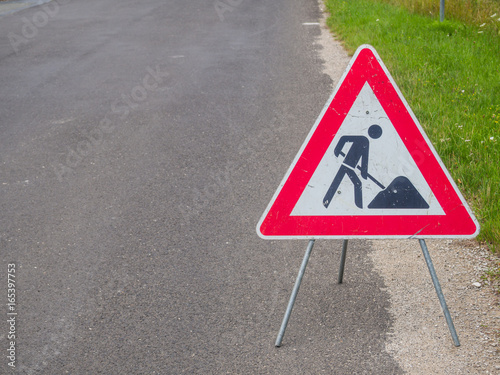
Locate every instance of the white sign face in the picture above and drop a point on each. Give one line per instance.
(388, 163)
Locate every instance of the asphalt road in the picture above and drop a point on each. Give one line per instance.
(140, 141)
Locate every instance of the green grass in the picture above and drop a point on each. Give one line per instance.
(450, 75)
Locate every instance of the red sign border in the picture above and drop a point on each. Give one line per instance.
(366, 66)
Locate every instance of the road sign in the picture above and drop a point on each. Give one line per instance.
(367, 169)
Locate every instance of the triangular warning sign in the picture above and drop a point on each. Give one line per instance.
(367, 169)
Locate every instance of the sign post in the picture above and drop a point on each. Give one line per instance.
(294, 293)
(439, 292)
(367, 170)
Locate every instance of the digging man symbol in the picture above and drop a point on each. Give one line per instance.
(357, 154)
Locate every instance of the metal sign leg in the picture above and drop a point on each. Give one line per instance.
(342, 261)
(439, 292)
(294, 293)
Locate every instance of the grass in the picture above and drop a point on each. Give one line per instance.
(450, 74)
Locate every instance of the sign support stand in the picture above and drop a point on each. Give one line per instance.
(303, 266)
(294, 293)
(439, 292)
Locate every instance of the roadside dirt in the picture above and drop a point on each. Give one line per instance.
(419, 339)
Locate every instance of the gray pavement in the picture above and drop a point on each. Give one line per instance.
(140, 143)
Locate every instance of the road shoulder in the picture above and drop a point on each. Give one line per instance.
(420, 340)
